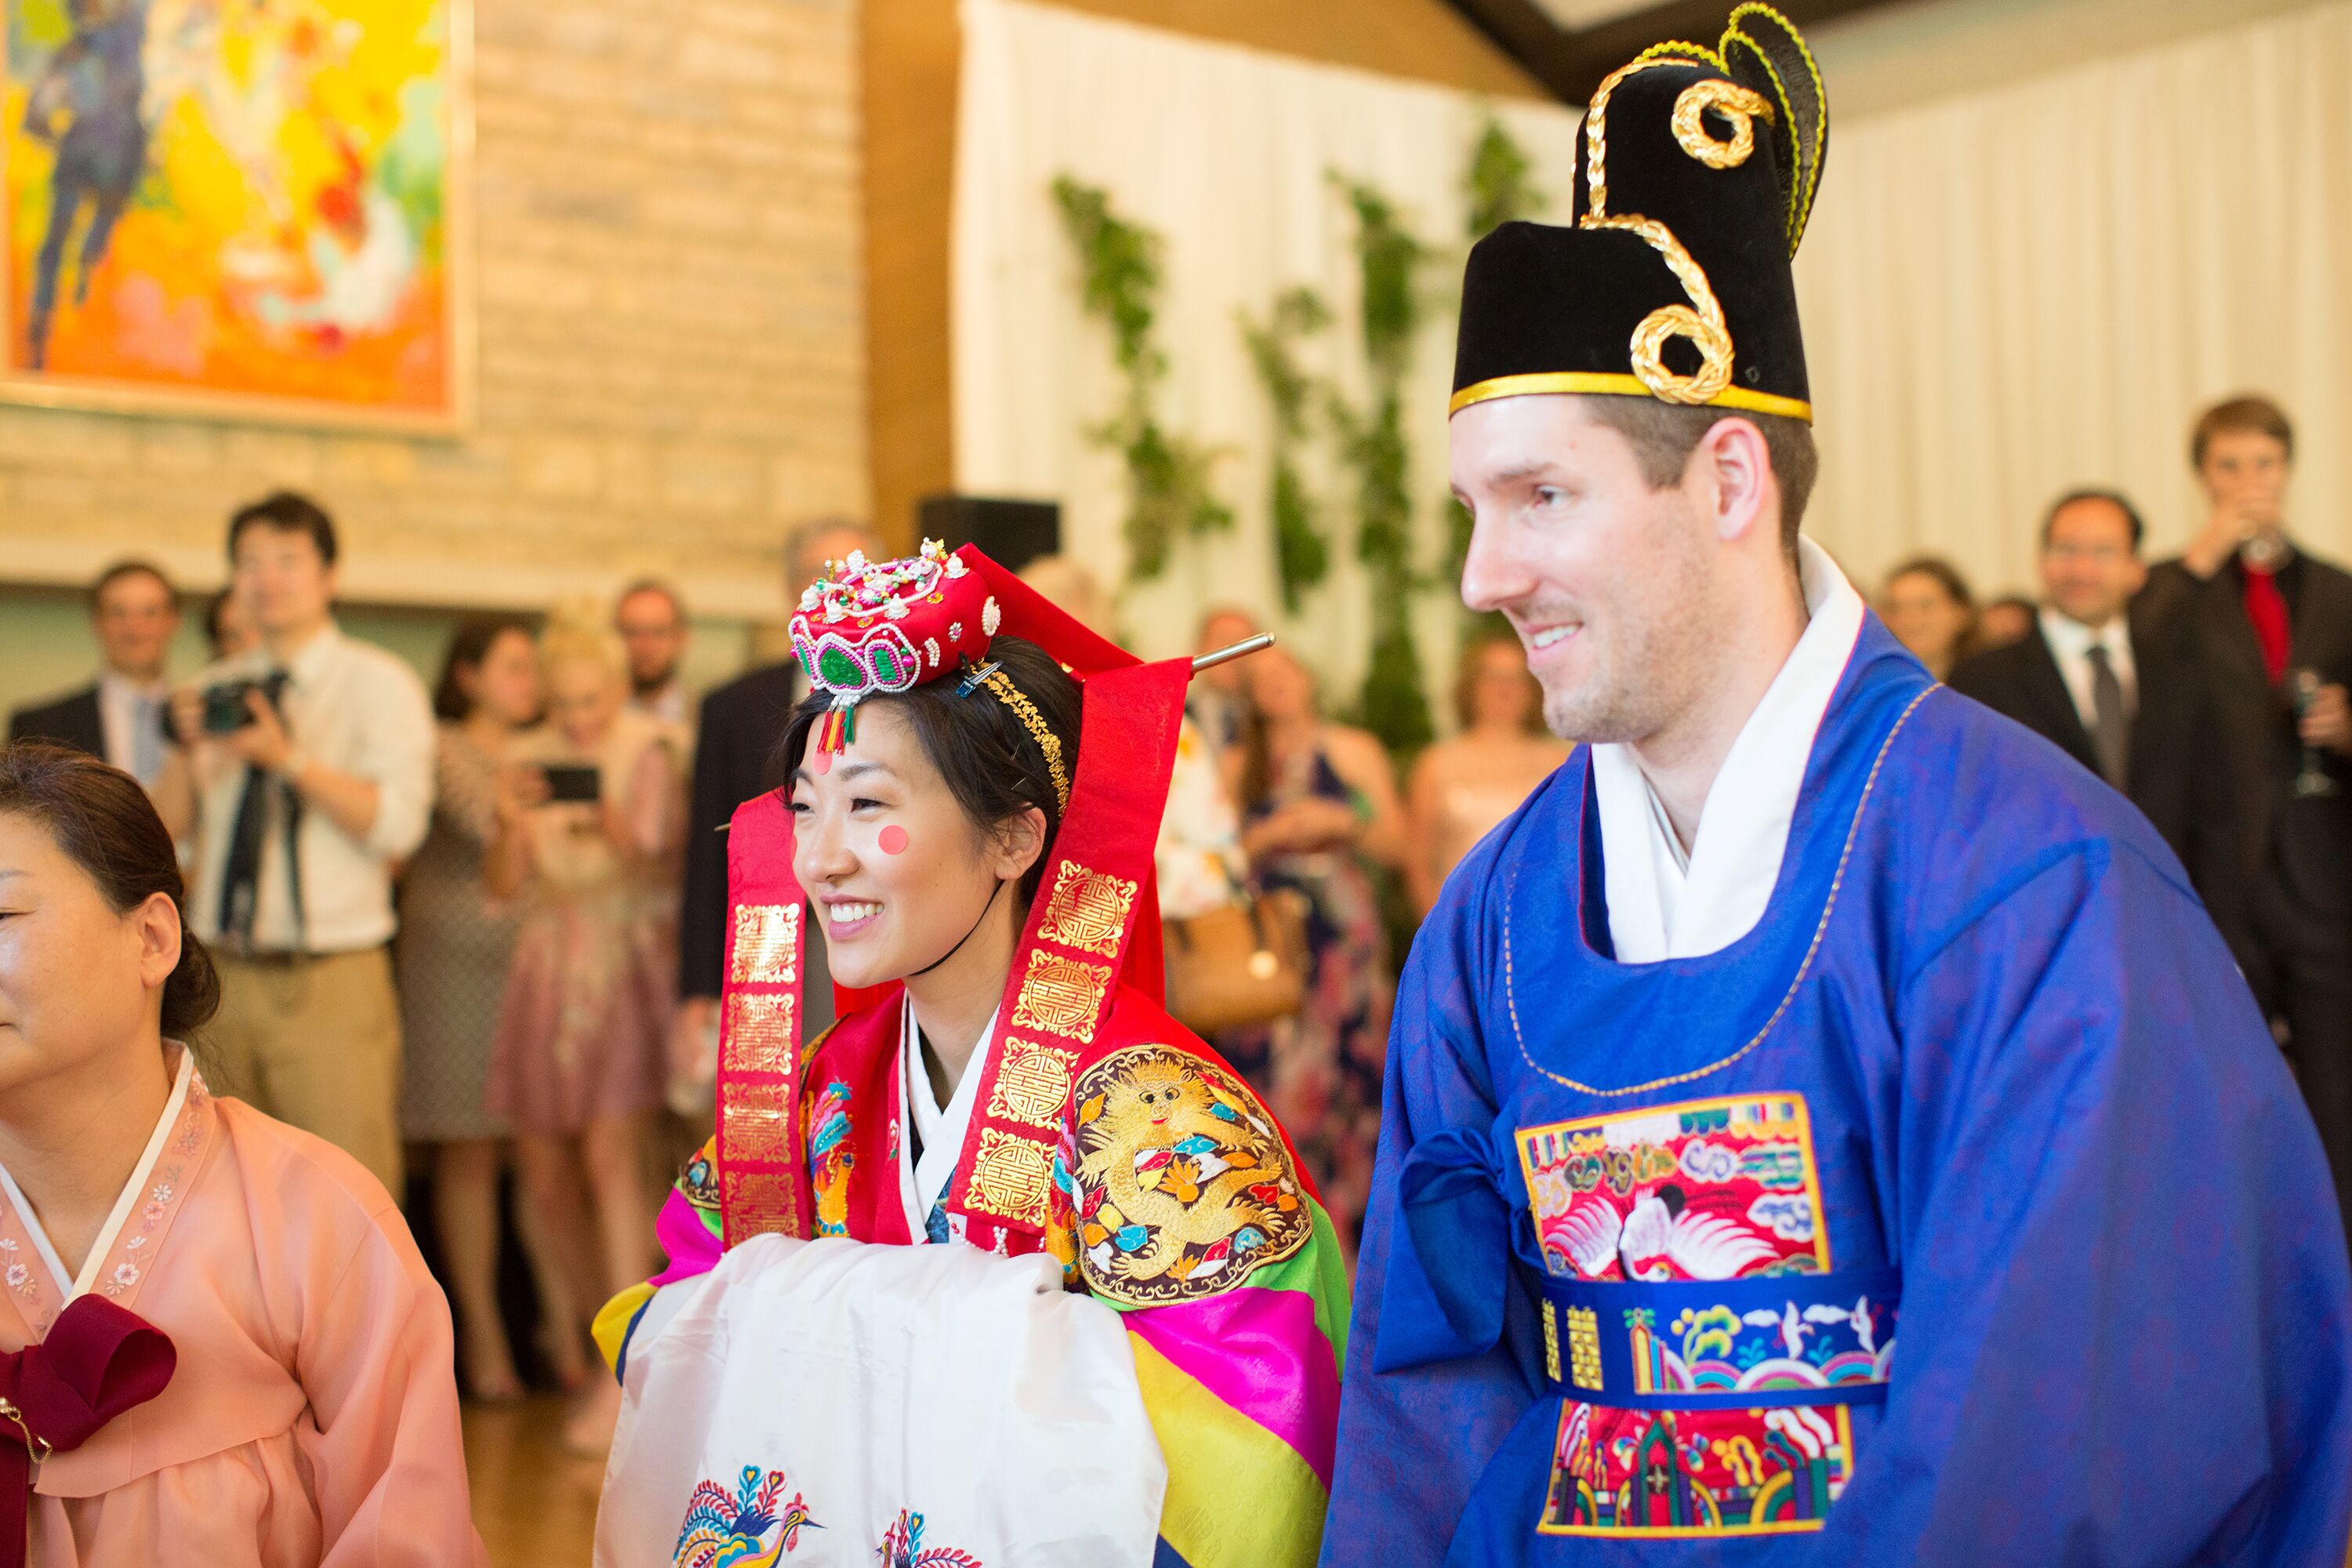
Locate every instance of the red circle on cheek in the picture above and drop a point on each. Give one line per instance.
(893, 840)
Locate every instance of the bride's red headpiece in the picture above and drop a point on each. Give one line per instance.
(871, 629)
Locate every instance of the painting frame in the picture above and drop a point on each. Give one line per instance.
(456, 418)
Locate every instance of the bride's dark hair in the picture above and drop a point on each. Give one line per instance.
(994, 767)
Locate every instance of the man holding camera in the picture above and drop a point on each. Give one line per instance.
(309, 770)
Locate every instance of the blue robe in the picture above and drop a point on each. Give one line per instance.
(2021, 1245)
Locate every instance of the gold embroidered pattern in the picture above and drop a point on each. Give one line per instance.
(1551, 1340)
(759, 1034)
(1009, 1176)
(766, 950)
(1700, 323)
(1583, 1348)
(760, 1202)
(1034, 722)
(1185, 1182)
(1088, 909)
(1033, 1084)
(1735, 103)
(1061, 995)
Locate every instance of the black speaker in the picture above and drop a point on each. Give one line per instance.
(1012, 532)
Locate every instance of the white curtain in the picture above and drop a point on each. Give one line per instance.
(1225, 152)
(2005, 294)
(2012, 293)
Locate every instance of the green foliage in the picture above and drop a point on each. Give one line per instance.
(1497, 182)
(1302, 555)
(1393, 705)
(1168, 493)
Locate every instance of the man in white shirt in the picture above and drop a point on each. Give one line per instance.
(1807, 1011)
(305, 800)
(2099, 683)
(135, 613)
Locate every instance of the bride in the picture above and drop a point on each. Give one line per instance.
(1089, 1257)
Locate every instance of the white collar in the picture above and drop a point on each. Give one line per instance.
(1659, 910)
(942, 1128)
(124, 1204)
(2070, 639)
(120, 688)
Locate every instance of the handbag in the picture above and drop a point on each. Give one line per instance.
(1240, 963)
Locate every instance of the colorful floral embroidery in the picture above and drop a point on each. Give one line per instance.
(902, 1547)
(171, 1182)
(1719, 1189)
(699, 1183)
(1181, 1185)
(830, 1159)
(724, 1530)
(19, 1277)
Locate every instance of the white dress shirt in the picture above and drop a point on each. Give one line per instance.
(1667, 903)
(354, 708)
(2070, 642)
(941, 1127)
(130, 716)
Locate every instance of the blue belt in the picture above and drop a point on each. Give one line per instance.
(1723, 1344)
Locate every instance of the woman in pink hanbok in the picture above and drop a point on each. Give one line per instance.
(218, 1324)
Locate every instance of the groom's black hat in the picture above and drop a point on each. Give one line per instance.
(1695, 171)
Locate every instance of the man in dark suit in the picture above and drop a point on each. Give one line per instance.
(742, 726)
(135, 614)
(2096, 680)
(2270, 627)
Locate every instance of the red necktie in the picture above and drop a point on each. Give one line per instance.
(97, 1362)
(2266, 608)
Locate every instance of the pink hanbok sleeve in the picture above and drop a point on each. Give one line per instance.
(376, 1360)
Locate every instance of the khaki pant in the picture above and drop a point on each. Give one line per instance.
(315, 1042)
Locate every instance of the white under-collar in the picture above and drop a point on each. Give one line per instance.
(941, 1127)
(1663, 904)
(124, 1204)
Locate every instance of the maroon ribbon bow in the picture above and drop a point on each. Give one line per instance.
(97, 1362)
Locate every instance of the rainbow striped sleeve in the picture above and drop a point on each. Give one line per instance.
(688, 1231)
(1242, 1388)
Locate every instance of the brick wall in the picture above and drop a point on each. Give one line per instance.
(671, 356)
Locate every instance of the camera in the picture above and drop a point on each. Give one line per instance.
(225, 711)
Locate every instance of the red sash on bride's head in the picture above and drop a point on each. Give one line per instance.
(1084, 936)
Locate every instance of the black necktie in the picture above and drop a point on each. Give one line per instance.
(2110, 726)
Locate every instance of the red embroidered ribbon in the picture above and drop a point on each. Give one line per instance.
(97, 1362)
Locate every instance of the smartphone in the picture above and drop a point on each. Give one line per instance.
(575, 784)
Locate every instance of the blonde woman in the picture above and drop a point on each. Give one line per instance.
(590, 823)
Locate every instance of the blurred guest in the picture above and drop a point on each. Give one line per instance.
(2270, 627)
(1197, 863)
(2007, 620)
(136, 614)
(293, 1353)
(650, 620)
(741, 725)
(455, 944)
(1319, 808)
(309, 763)
(1461, 788)
(588, 840)
(1218, 699)
(2100, 683)
(1927, 606)
(227, 628)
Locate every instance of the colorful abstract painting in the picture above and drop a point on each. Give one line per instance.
(245, 206)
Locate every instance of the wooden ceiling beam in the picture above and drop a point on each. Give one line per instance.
(1571, 64)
